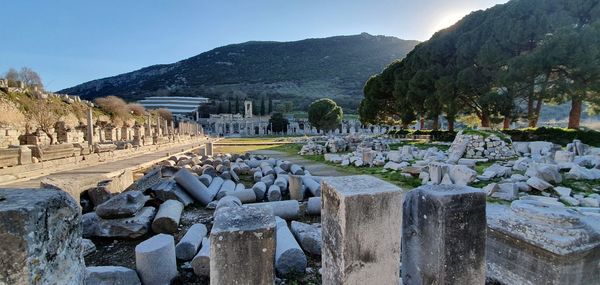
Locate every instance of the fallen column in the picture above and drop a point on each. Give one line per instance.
(361, 223)
(313, 186)
(215, 186)
(313, 206)
(155, 260)
(205, 179)
(242, 246)
(245, 196)
(40, 232)
(260, 189)
(309, 236)
(288, 209)
(443, 237)
(193, 186)
(189, 244)
(296, 169)
(289, 257)
(274, 193)
(201, 262)
(167, 218)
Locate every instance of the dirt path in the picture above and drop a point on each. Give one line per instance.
(315, 168)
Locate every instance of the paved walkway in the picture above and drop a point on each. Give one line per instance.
(315, 168)
(104, 168)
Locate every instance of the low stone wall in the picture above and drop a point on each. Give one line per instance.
(29, 171)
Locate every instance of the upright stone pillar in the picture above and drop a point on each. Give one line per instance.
(148, 130)
(158, 129)
(40, 230)
(90, 127)
(209, 148)
(242, 246)
(443, 235)
(361, 223)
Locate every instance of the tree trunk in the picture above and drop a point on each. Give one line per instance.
(451, 125)
(436, 123)
(575, 113)
(485, 120)
(421, 123)
(506, 125)
(50, 137)
(530, 115)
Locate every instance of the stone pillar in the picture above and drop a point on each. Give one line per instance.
(40, 231)
(242, 246)
(158, 130)
(90, 127)
(209, 148)
(530, 242)
(148, 130)
(443, 241)
(361, 223)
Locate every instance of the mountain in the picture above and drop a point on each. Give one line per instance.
(299, 71)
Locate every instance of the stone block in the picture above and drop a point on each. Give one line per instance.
(40, 232)
(361, 222)
(100, 275)
(443, 235)
(242, 246)
(531, 242)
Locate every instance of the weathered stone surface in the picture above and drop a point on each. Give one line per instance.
(443, 239)
(155, 260)
(201, 262)
(189, 244)
(205, 179)
(167, 217)
(149, 179)
(41, 237)
(537, 183)
(361, 225)
(288, 209)
(309, 236)
(547, 172)
(99, 195)
(193, 186)
(289, 257)
(104, 275)
(87, 246)
(131, 227)
(228, 201)
(506, 191)
(582, 173)
(168, 189)
(461, 175)
(242, 249)
(552, 244)
(123, 205)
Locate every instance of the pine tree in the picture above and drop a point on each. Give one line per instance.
(237, 105)
(262, 106)
(270, 106)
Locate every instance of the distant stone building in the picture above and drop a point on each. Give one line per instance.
(179, 106)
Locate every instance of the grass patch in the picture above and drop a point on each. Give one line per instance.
(480, 167)
(585, 187)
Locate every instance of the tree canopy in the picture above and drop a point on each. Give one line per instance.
(500, 64)
(325, 114)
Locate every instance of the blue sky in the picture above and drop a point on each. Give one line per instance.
(72, 41)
